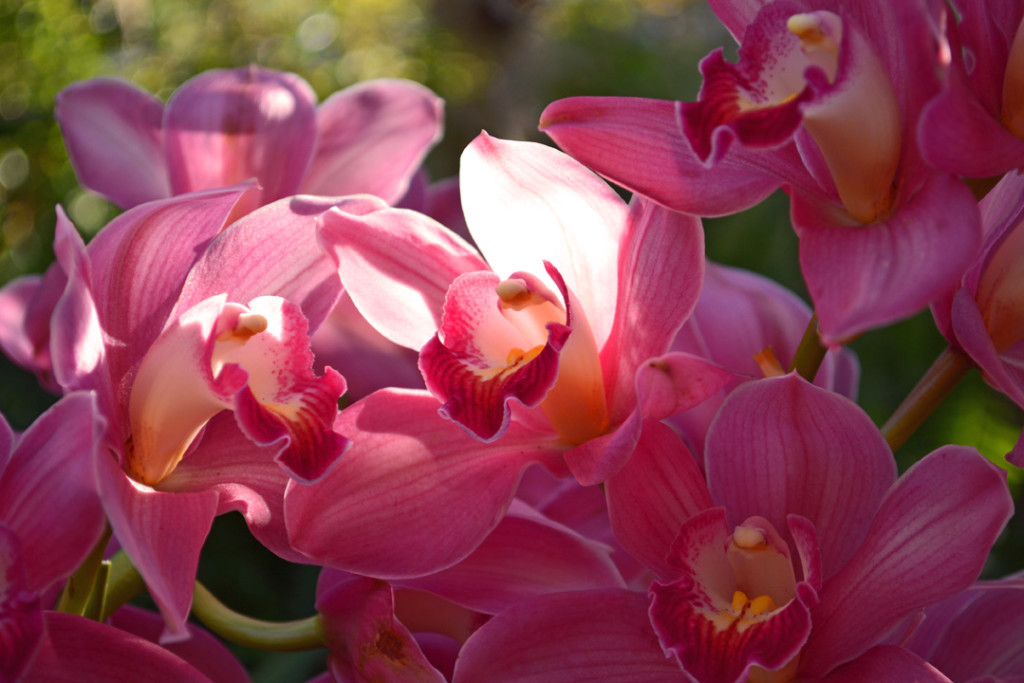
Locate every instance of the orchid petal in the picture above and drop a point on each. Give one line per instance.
(637, 143)
(655, 492)
(78, 649)
(273, 251)
(371, 137)
(661, 267)
(974, 338)
(576, 636)
(397, 265)
(886, 664)
(365, 639)
(867, 276)
(782, 445)
(22, 338)
(225, 126)
(526, 204)
(905, 561)
(444, 489)
(52, 461)
(21, 617)
(525, 556)
(112, 131)
(162, 533)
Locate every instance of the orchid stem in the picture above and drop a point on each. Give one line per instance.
(945, 373)
(81, 584)
(282, 636)
(123, 583)
(810, 353)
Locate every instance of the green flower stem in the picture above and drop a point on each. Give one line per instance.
(810, 353)
(81, 584)
(282, 636)
(945, 373)
(123, 583)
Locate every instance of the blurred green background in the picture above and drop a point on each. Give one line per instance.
(496, 63)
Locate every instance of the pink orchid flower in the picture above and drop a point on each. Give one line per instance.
(50, 518)
(226, 126)
(198, 350)
(792, 561)
(985, 316)
(550, 352)
(975, 126)
(824, 102)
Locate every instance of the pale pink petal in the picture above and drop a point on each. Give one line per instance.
(85, 651)
(921, 548)
(527, 203)
(162, 533)
(226, 126)
(155, 244)
(22, 339)
(650, 498)
(202, 650)
(397, 265)
(371, 138)
(887, 664)
(660, 270)
(782, 445)
(638, 144)
(414, 493)
(112, 131)
(526, 555)
(51, 462)
(864, 276)
(273, 251)
(568, 637)
(365, 640)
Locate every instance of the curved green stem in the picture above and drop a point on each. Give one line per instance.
(283, 636)
(810, 353)
(933, 387)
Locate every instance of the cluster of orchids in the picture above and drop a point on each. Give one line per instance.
(525, 428)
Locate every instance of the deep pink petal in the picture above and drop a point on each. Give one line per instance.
(365, 640)
(112, 131)
(397, 265)
(527, 204)
(79, 649)
(638, 144)
(736, 15)
(414, 493)
(865, 276)
(226, 126)
(661, 268)
(22, 338)
(650, 498)
(273, 251)
(162, 533)
(21, 617)
(371, 138)
(921, 548)
(974, 338)
(51, 464)
(202, 650)
(782, 445)
(576, 636)
(886, 664)
(526, 555)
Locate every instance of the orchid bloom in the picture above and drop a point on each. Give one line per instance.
(824, 103)
(984, 316)
(552, 351)
(975, 126)
(226, 126)
(792, 561)
(198, 349)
